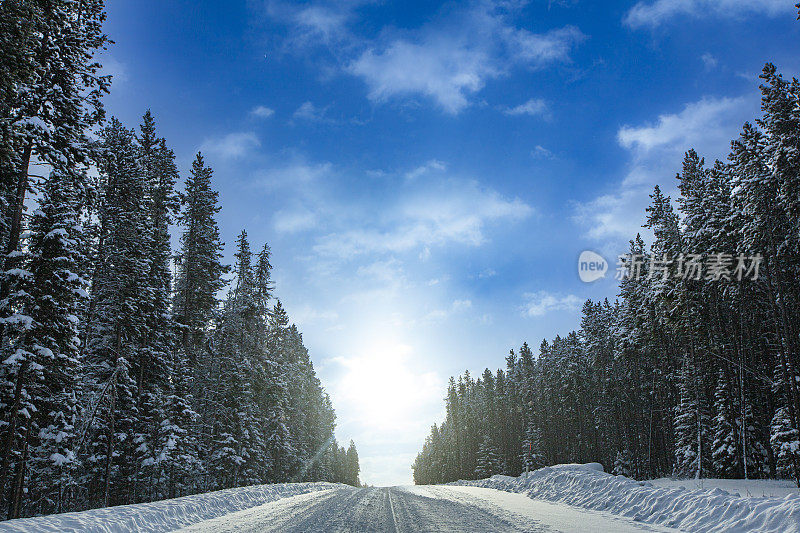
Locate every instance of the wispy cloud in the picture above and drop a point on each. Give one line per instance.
(656, 151)
(114, 68)
(296, 174)
(533, 107)
(709, 61)
(459, 213)
(680, 130)
(294, 221)
(446, 60)
(308, 111)
(540, 152)
(432, 165)
(657, 12)
(314, 23)
(262, 112)
(230, 146)
(448, 65)
(542, 302)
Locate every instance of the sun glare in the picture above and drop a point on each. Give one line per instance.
(380, 384)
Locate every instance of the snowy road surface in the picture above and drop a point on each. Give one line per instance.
(413, 509)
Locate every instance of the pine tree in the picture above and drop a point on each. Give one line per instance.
(195, 307)
(51, 95)
(200, 270)
(280, 448)
(352, 465)
(121, 295)
(784, 437)
(724, 446)
(489, 460)
(622, 464)
(49, 345)
(691, 440)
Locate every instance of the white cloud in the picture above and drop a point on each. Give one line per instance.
(444, 70)
(487, 273)
(313, 23)
(542, 302)
(294, 221)
(709, 61)
(262, 112)
(657, 12)
(388, 272)
(457, 214)
(456, 307)
(540, 152)
(433, 164)
(541, 48)
(296, 175)
(114, 68)
(460, 305)
(306, 315)
(447, 59)
(681, 130)
(308, 111)
(231, 146)
(453, 59)
(533, 107)
(326, 22)
(656, 153)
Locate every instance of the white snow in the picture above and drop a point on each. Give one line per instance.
(561, 498)
(776, 488)
(165, 515)
(672, 505)
(432, 509)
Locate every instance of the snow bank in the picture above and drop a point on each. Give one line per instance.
(698, 510)
(164, 515)
(776, 488)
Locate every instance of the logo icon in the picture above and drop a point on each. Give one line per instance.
(591, 266)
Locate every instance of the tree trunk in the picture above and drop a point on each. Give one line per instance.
(110, 444)
(12, 428)
(16, 208)
(19, 478)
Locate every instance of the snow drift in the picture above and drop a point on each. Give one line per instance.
(164, 515)
(700, 510)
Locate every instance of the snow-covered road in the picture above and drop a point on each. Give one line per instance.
(413, 509)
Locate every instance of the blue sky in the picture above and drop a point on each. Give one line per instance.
(427, 174)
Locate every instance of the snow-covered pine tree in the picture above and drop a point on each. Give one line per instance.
(532, 454)
(238, 448)
(178, 447)
(199, 265)
(622, 464)
(692, 456)
(785, 443)
(195, 305)
(51, 94)
(275, 401)
(725, 436)
(50, 97)
(488, 459)
(161, 409)
(121, 295)
(352, 465)
(49, 345)
(784, 437)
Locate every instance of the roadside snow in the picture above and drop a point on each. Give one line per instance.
(165, 515)
(697, 510)
(778, 488)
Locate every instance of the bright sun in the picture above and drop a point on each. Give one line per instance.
(380, 385)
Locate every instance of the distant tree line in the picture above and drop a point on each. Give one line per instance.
(119, 381)
(693, 376)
